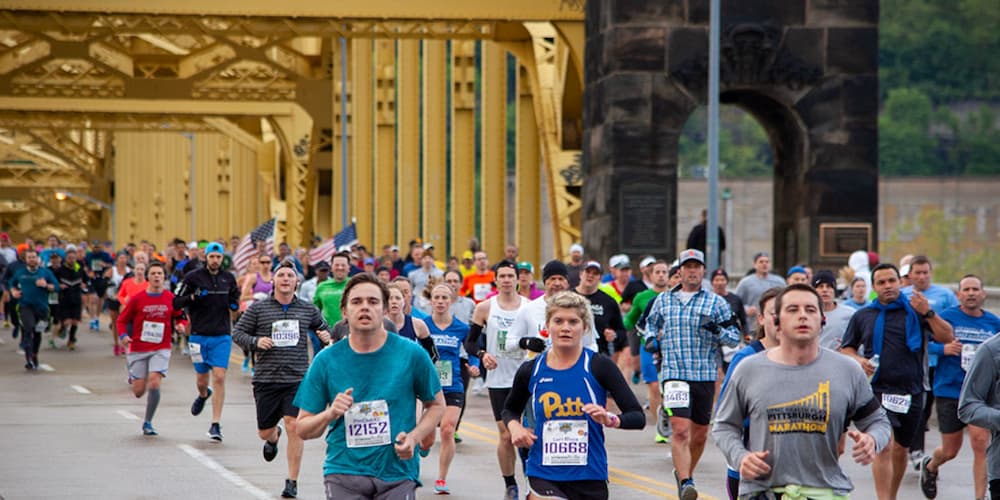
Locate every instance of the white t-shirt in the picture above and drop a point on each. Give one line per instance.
(508, 355)
(530, 322)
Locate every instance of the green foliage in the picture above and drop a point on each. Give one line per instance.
(949, 244)
(744, 150)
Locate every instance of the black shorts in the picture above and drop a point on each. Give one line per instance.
(454, 399)
(497, 398)
(947, 412)
(100, 286)
(112, 304)
(634, 342)
(906, 427)
(273, 402)
(621, 342)
(55, 312)
(700, 400)
(70, 310)
(544, 489)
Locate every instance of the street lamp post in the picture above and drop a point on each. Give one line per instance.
(110, 207)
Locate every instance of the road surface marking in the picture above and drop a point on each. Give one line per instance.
(229, 475)
(46, 368)
(81, 389)
(127, 414)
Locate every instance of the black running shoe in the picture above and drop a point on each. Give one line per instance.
(199, 403)
(291, 489)
(271, 449)
(215, 432)
(928, 479)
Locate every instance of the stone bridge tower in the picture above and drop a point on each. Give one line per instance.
(807, 70)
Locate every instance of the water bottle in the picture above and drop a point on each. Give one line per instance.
(874, 361)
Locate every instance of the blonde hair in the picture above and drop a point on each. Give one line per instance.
(569, 300)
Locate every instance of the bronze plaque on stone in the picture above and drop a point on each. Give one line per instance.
(643, 220)
(841, 239)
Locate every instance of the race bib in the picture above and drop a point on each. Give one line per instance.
(564, 442)
(676, 394)
(444, 372)
(367, 424)
(896, 403)
(285, 333)
(53, 297)
(481, 290)
(152, 332)
(968, 354)
(195, 350)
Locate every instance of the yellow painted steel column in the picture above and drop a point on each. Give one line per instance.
(407, 141)
(528, 193)
(385, 185)
(435, 180)
(463, 143)
(336, 185)
(362, 128)
(493, 217)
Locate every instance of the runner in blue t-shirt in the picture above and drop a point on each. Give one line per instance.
(972, 326)
(364, 392)
(449, 334)
(567, 387)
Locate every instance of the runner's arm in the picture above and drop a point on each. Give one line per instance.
(728, 429)
(244, 331)
(610, 377)
(975, 404)
(519, 394)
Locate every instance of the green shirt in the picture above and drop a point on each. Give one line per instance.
(639, 303)
(327, 299)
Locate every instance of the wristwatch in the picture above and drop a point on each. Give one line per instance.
(929, 314)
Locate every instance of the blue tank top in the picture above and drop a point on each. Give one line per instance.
(407, 331)
(449, 346)
(560, 395)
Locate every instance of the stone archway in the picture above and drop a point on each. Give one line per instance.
(806, 70)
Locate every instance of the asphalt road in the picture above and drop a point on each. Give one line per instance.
(72, 430)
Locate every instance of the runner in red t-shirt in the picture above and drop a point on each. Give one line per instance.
(479, 284)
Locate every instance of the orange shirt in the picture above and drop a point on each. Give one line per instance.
(129, 288)
(478, 286)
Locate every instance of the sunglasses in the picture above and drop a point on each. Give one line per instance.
(265, 262)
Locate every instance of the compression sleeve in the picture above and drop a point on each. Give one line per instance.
(610, 377)
(428, 344)
(519, 394)
(472, 340)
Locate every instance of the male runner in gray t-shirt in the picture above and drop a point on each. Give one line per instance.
(794, 432)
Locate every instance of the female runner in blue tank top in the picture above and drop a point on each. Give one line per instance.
(449, 334)
(567, 388)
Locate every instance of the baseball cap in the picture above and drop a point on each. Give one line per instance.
(192, 245)
(691, 254)
(824, 276)
(525, 266)
(71, 248)
(322, 265)
(576, 248)
(592, 264)
(467, 255)
(554, 268)
(795, 269)
(904, 271)
(369, 260)
(720, 272)
(214, 247)
(428, 245)
(394, 248)
(4, 236)
(619, 261)
(649, 260)
(759, 255)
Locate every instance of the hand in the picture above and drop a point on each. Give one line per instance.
(521, 437)
(15, 292)
(489, 362)
(953, 348)
(864, 447)
(473, 371)
(599, 414)
(41, 283)
(609, 335)
(404, 446)
(342, 403)
(919, 303)
(754, 465)
(180, 328)
(712, 327)
(324, 336)
(866, 365)
(533, 344)
(125, 341)
(652, 345)
(751, 310)
(264, 343)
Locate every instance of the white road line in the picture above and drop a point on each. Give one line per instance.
(127, 414)
(231, 476)
(46, 368)
(81, 389)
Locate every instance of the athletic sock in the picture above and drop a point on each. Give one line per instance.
(72, 333)
(152, 401)
(509, 481)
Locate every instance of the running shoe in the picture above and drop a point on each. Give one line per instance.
(291, 489)
(71, 345)
(687, 490)
(663, 424)
(512, 493)
(916, 458)
(458, 438)
(423, 452)
(215, 432)
(52, 343)
(148, 430)
(246, 365)
(199, 403)
(661, 439)
(635, 378)
(928, 479)
(441, 488)
(271, 449)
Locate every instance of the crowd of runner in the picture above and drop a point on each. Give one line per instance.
(377, 354)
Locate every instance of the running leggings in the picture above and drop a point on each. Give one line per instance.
(31, 341)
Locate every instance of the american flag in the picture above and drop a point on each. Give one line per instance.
(247, 249)
(323, 252)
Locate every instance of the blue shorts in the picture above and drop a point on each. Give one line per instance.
(214, 351)
(648, 365)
